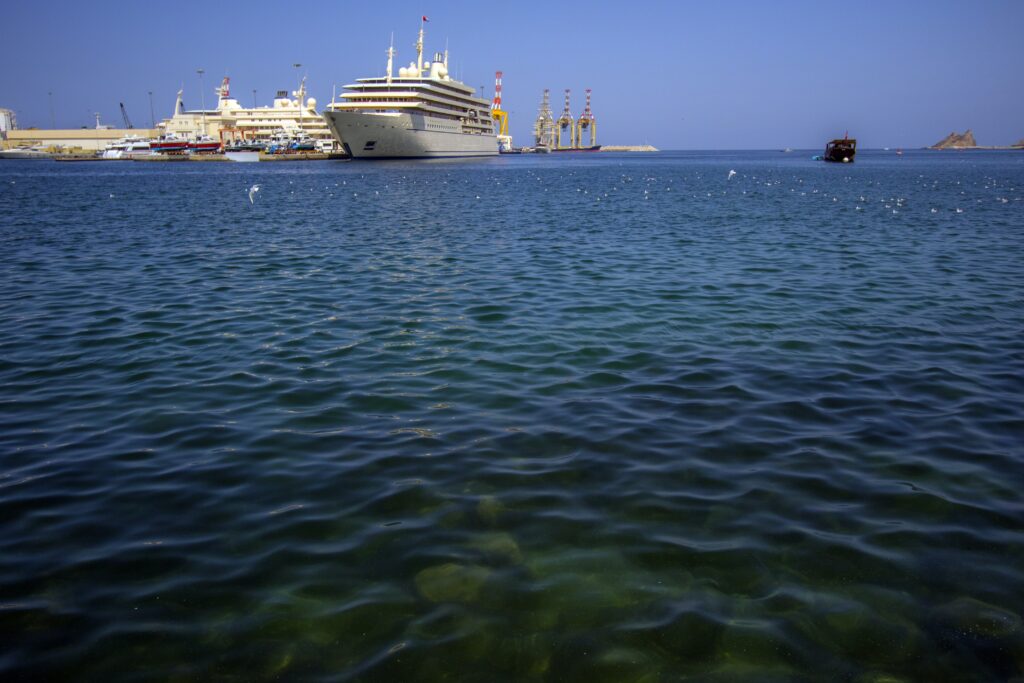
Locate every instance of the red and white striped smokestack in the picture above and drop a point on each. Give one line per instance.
(496, 103)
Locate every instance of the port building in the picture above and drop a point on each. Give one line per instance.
(8, 121)
(228, 121)
(87, 139)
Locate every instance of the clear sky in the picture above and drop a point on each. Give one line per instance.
(679, 75)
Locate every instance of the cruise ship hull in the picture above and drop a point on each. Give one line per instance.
(405, 136)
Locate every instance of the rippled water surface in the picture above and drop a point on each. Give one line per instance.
(559, 418)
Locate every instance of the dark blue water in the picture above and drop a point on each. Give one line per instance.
(556, 418)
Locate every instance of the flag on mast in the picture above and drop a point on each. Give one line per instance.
(425, 18)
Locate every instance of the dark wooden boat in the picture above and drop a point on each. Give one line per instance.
(840, 151)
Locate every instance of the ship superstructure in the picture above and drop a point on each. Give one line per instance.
(231, 123)
(423, 112)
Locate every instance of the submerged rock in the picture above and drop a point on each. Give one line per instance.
(498, 548)
(976, 619)
(876, 677)
(985, 635)
(452, 582)
(489, 509)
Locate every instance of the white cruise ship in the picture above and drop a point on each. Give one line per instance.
(421, 113)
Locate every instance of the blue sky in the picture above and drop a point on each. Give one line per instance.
(679, 75)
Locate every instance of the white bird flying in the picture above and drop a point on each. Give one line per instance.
(731, 174)
(252, 193)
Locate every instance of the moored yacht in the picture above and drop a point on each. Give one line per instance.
(127, 147)
(36, 152)
(421, 113)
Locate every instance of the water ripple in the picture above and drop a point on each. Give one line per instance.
(617, 419)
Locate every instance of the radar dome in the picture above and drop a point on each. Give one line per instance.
(311, 103)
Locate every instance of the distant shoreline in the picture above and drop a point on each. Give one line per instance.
(978, 147)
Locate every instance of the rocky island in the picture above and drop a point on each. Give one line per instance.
(966, 141)
(957, 141)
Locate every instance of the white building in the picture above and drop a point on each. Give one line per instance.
(7, 121)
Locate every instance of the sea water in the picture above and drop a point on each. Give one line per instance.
(541, 418)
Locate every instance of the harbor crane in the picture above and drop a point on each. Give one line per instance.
(124, 115)
(566, 121)
(544, 126)
(500, 116)
(586, 122)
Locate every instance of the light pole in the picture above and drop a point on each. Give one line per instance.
(152, 115)
(53, 119)
(254, 98)
(202, 96)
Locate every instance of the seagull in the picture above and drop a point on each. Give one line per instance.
(252, 193)
(731, 174)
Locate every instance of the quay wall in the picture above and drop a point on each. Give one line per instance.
(629, 148)
(84, 138)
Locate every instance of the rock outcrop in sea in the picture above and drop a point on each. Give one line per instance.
(956, 141)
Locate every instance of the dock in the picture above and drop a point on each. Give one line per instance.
(160, 158)
(303, 156)
(629, 148)
(181, 157)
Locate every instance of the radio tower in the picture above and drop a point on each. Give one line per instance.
(586, 121)
(566, 120)
(544, 126)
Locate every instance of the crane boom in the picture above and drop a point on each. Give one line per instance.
(124, 115)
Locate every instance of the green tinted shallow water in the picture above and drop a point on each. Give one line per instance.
(596, 418)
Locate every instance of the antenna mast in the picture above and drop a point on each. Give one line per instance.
(391, 56)
(419, 49)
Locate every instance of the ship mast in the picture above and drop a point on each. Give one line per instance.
(391, 56)
(419, 49)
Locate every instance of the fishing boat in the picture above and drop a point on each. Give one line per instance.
(203, 144)
(246, 146)
(840, 150)
(170, 143)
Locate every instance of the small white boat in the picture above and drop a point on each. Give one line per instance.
(36, 152)
(244, 156)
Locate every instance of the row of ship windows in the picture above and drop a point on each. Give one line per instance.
(430, 103)
(465, 102)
